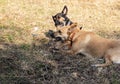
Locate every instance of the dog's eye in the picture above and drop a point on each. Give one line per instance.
(58, 17)
(59, 31)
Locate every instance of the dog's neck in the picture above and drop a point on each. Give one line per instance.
(68, 22)
(72, 34)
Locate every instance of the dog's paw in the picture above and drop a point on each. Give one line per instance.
(95, 65)
(100, 59)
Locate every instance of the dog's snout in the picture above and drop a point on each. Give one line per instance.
(57, 23)
(51, 33)
(58, 38)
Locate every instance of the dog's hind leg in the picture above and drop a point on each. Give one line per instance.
(107, 62)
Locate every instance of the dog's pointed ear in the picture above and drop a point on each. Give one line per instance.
(52, 17)
(65, 10)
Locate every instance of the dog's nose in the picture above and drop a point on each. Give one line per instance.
(58, 38)
(51, 33)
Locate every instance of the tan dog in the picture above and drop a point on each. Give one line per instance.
(90, 44)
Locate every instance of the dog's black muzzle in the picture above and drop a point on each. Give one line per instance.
(50, 34)
(58, 38)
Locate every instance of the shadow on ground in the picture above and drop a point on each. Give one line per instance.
(37, 65)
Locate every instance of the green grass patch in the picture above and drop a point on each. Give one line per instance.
(25, 46)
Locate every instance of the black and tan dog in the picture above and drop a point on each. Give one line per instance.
(61, 19)
(89, 44)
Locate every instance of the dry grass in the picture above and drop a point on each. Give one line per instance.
(19, 17)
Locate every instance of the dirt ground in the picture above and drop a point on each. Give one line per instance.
(38, 65)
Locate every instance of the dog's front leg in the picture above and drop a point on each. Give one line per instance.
(70, 52)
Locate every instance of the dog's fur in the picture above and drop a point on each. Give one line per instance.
(90, 44)
(61, 19)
